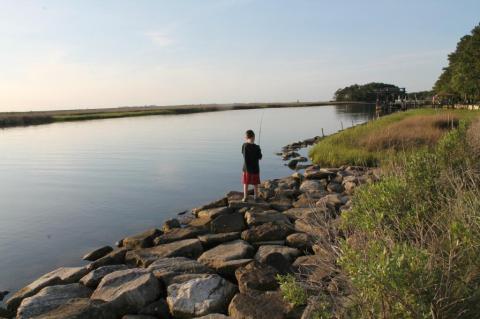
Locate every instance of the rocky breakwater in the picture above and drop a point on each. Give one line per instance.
(222, 262)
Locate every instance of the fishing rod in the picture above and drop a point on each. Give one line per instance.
(260, 129)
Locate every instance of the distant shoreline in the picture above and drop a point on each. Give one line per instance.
(13, 119)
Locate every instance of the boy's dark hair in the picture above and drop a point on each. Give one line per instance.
(250, 134)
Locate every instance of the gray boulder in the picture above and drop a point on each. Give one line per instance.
(158, 309)
(288, 252)
(191, 248)
(116, 257)
(178, 234)
(142, 240)
(256, 277)
(211, 240)
(170, 224)
(50, 298)
(214, 212)
(268, 305)
(214, 316)
(267, 232)
(128, 290)
(215, 257)
(93, 278)
(311, 186)
(300, 241)
(97, 253)
(257, 218)
(228, 223)
(60, 276)
(167, 269)
(199, 297)
(81, 308)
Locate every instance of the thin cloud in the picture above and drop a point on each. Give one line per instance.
(160, 39)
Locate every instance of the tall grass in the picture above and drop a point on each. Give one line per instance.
(413, 239)
(378, 140)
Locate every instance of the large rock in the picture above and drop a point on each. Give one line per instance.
(298, 213)
(142, 240)
(158, 309)
(288, 252)
(215, 204)
(321, 173)
(116, 257)
(170, 224)
(214, 316)
(82, 308)
(228, 223)
(50, 298)
(268, 305)
(267, 232)
(237, 249)
(227, 268)
(300, 241)
(168, 268)
(256, 277)
(93, 278)
(211, 240)
(282, 203)
(311, 186)
(128, 290)
(4, 313)
(237, 204)
(214, 212)
(199, 297)
(178, 234)
(138, 317)
(97, 253)
(191, 248)
(257, 218)
(60, 276)
(313, 265)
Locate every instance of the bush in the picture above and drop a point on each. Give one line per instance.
(292, 290)
(412, 247)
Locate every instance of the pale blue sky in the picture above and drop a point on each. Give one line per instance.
(85, 53)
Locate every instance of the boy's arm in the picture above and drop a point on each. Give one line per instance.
(259, 153)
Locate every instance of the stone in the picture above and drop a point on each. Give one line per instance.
(282, 201)
(93, 278)
(257, 218)
(335, 187)
(280, 263)
(267, 232)
(321, 173)
(180, 279)
(98, 253)
(268, 305)
(298, 213)
(288, 252)
(170, 224)
(292, 164)
(227, 268)
(158, 309)
(237, 204)
(128, 290)
(190, 248)
(168, 268)
(4, 293)
(202, 223)
(218, 203)
(300, 241)
(60, 276)
(228, 223)
(138, 317)
(349, 187)
(237, 249)
(200, 297)
(214, 316)
(256, 277)
(211, 240)
(214, 212)
(116, 257)
(142, 240)
(311, 186)
(4, 313)
(82, 308)
(178, 234)
(50, 298)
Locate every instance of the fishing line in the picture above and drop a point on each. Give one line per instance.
(260, 130)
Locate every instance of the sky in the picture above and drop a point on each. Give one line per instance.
(57, 54)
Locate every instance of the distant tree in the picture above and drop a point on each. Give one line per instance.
(421, 95)
(363, 93)
(461, 77)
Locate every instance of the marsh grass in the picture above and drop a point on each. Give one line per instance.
(379, 140)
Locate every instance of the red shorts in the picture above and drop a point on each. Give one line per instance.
(249, 178)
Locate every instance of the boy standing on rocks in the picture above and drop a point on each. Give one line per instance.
(251, 168)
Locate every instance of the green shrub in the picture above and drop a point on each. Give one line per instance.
(292, 290)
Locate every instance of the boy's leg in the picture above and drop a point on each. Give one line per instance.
(255, 191)
(245, 192)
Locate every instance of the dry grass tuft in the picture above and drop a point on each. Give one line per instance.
(411, 132)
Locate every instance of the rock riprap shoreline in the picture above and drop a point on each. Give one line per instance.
(220, 261)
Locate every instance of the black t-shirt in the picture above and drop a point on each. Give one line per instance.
(251, 155)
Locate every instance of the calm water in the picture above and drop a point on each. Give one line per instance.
(69, 187)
